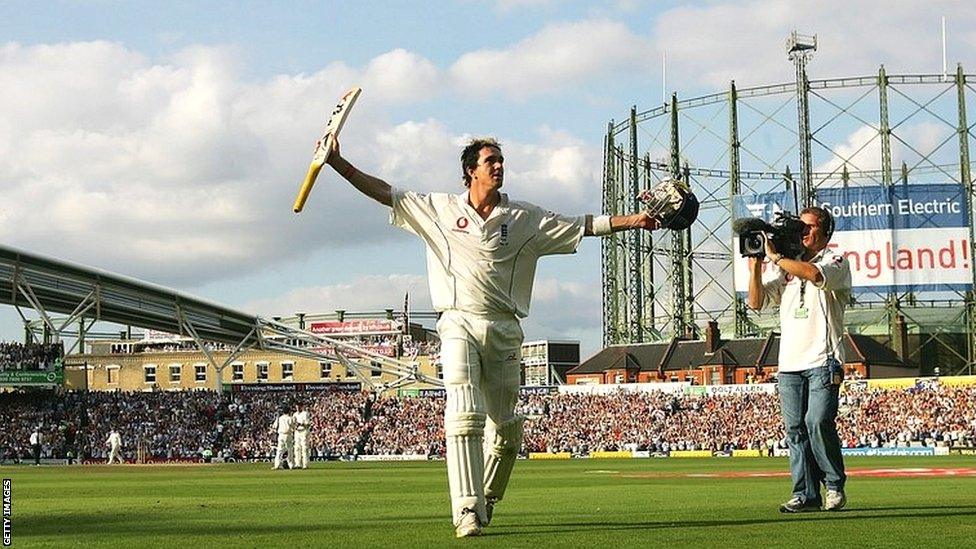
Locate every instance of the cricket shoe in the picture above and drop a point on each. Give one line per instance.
(798, 505)
(469, 525)
(835, 500)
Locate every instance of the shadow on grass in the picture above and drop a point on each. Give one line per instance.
(907, 512)
(154, 525)
(150, 524)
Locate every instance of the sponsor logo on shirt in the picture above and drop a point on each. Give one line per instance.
(462, 224)
(503, 239)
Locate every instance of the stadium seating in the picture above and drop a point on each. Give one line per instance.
(183, 425)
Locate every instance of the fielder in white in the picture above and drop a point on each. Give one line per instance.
(284, 426)
(482, 249)
(302, 426)
(114, 443)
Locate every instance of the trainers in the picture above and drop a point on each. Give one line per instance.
(798, 505)
(469, 525)
(835, 501)
(489, 509)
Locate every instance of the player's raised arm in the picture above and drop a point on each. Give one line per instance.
(605, 224)
(373, 187)
(668, 205)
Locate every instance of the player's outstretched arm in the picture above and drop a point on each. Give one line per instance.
(606, 224)
(373, 187)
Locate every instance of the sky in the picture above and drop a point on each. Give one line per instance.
(166, 140)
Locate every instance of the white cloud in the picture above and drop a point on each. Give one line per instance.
(365, 293)
(565, 310)
(436, 169)
(559, 172)
(558, 56)
(181, 172)
(861, 149)
(401, 76)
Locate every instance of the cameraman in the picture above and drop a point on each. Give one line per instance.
(812, 291)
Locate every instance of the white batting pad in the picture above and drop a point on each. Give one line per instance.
(501, 455)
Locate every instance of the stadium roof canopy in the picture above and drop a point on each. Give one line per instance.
(88, 295)
(55, 286)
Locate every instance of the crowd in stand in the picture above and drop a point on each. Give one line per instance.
(406, 426)
(656, 422)
(34, 356)
(169, 347)
(386, 345)
(188, 424)
(939, 414)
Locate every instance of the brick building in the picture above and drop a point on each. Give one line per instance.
(717, 361)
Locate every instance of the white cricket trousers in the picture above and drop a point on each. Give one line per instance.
(480, 356)
(301, 449)
(284, 447)
(115, 454)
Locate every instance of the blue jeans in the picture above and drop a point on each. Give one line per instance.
(808, 401)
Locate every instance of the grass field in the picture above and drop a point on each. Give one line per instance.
(580, 503)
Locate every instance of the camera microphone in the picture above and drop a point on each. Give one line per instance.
(745, 225)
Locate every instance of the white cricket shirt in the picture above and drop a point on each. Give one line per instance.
(483, 267)
(301, 421)
(812, 326)
(283, 425)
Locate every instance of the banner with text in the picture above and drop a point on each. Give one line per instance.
(895, 238)
(51, 376)
(355, 327)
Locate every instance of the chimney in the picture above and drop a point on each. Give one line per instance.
(712, 337)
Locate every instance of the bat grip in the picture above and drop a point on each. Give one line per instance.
(313, 173)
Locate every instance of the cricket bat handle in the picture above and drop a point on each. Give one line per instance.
(313, 172)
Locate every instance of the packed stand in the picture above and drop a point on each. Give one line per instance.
(191, 424)
(657, 422)
(408, 425)
(32, 357)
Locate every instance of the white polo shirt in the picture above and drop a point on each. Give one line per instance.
(812, 327)
(483, 267)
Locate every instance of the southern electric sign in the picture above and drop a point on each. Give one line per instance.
(905, 238)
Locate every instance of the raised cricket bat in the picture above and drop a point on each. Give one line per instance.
(325, 145)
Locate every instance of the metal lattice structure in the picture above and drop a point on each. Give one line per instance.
(802, 136)
(87, 295)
